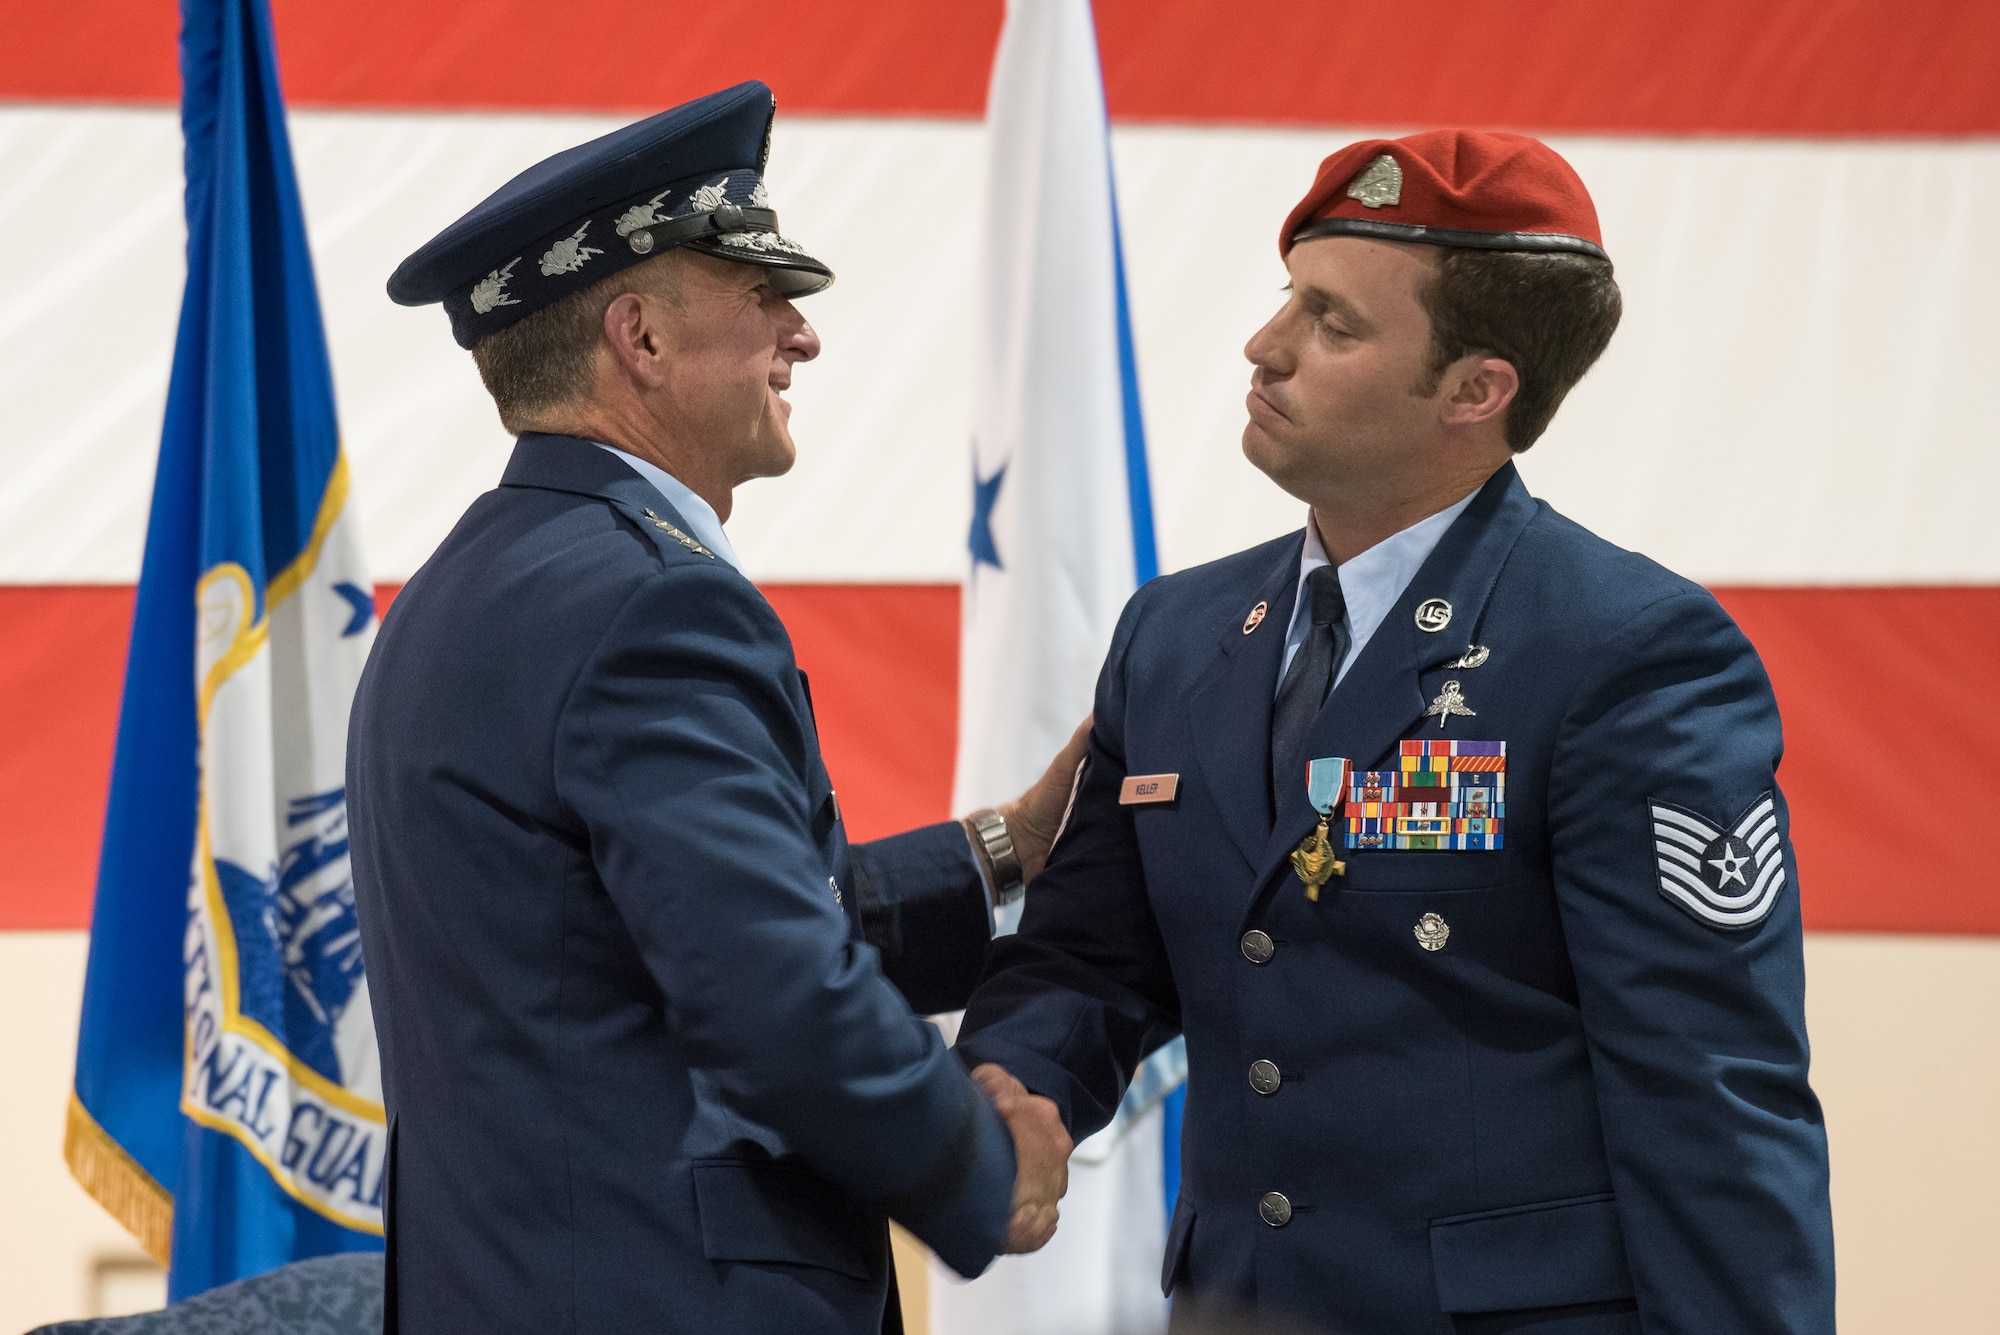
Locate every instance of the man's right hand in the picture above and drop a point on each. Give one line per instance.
(1041, 1156)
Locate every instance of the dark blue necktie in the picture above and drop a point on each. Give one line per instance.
(1307, 681)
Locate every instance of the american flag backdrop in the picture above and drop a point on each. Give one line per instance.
(1799, 198)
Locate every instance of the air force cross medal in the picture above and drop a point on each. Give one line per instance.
(1313, 860)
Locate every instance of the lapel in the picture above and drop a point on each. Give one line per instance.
(1231, 707)
(1378, 700)
(576, 466)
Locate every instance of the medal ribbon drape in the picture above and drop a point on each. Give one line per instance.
(227, 1106)
(1061, 534)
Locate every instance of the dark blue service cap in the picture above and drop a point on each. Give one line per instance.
(692, 176)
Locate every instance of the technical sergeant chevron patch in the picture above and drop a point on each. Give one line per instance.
(1725, 878)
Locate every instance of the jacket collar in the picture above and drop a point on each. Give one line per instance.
(1379, 700)
(1230, 706)
(579, 467)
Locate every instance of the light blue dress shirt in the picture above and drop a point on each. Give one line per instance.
(1371, 582)
(700, 515)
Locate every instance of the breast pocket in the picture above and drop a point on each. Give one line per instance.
(1427, 871)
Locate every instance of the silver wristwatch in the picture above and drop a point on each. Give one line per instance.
(989, 827)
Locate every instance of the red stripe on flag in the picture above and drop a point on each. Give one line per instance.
(1870, 681)
(1785, 67)
(60, 672)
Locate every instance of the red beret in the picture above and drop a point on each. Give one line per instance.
(1450, 188)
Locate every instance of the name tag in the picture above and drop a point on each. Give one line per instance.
(1143, 789)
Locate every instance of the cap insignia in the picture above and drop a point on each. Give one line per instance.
(491, 291)
(761, 241)
(640, 215)
(709, 197)
(760, 198)
(1380, 182)
(568, 254)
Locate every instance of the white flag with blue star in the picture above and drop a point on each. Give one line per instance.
(1062, 533)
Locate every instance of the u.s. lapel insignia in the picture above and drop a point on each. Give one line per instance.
(678, 536)
(1433, 615)
(1256, 617)
(1475, 655)
(1450, 702)
(1725, 878)
(1432, 932)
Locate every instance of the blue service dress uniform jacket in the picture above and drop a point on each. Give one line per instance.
(645, 1057)
(1572, 1103)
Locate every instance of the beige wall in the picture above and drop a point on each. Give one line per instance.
(1906, 1035)
(60, 1256)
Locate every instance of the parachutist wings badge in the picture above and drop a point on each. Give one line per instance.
(1725, 878)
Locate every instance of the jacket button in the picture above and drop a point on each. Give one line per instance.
(1274, 1209)
(1257, 947)
(1265, 1076)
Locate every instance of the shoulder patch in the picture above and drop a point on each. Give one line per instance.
(1724, 878)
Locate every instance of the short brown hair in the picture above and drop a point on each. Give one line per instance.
(549, 359)
(1550, 315)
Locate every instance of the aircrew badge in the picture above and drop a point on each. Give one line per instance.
(1724, 878)
(1313, 861)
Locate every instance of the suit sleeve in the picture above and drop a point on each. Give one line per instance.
(923, 905)
(1073, 1001)
(683, 754)
(1694, 1010)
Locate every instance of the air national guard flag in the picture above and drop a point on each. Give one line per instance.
(1062, 533)
(228, 1105)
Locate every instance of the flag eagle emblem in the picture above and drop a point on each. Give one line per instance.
(1725, 878)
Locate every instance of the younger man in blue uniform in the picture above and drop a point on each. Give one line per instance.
(1447, 832)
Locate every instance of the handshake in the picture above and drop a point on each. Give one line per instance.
(1041, 1157)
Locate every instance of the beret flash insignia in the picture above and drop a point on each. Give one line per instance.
(1725, 878)
(1379, 183)
(491, 291)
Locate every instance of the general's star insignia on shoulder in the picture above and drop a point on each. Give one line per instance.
(1725, 878)
(678, 536)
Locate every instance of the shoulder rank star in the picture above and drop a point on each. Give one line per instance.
(1450, 701)
(678, 536)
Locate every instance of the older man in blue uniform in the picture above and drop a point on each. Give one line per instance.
(1448, 833)
(646, 1018)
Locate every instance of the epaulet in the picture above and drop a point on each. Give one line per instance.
(678, 536)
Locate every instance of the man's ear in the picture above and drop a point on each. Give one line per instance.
(631, 328)
(1479, 389)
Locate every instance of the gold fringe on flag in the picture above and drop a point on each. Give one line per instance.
(115, 1181)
